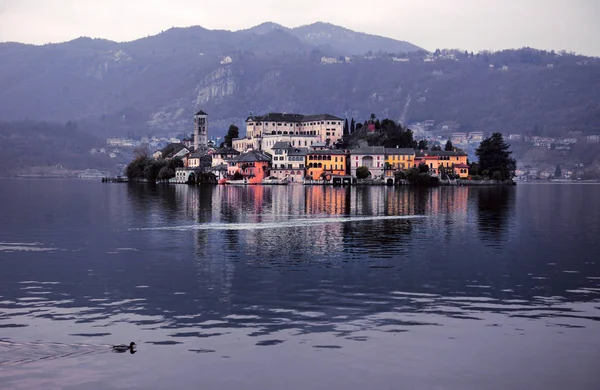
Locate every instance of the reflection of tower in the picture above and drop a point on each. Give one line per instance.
(200, 130)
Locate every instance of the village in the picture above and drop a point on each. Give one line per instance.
(281, 148)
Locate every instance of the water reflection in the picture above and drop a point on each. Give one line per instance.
(494, 208)
(326, 266)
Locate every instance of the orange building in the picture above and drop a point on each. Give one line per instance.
(253, 166)
(435, 160)
(320, 163)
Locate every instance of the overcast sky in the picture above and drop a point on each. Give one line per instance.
(465, 24)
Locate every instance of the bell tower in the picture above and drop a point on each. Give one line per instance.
(200, 130)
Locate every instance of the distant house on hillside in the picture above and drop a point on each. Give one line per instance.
(593, 139)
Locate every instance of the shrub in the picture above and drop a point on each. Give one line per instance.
(362, 172)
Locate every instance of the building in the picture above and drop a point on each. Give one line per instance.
(320, 163)
(200, 130)
(458, 138)
(398, 159)
(198, 159)
(222, 155)
(253, 166)
(436, 160)
(288, 162)
(476, 136)
(515, 137)
(372, 157)
(263, 132)
(593, 139)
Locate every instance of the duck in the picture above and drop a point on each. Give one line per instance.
(123, 347)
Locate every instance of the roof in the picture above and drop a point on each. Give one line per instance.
(198, 153)
(284, 117)
(461, 166)
(297, 152)
(226, 150)
(424, 153)
(281, 145)
(369, 150)
(408, 151)
(328, 151)
(252, 156)
(200, 113)
(172, 149)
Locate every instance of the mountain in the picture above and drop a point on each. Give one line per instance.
(344, 41)
(349, 42)
(154, 85)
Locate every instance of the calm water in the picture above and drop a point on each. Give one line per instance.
(299, 287)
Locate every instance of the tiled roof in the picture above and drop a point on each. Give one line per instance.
(461, 166)
(281, 145)
(226, 150)
(406, 151)
(297, 152)
(369, 150)
(198, 153)
(252, 156)
(327, 152)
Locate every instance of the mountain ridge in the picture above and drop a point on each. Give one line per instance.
(154, 84)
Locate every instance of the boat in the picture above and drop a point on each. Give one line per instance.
(238, 182)
(275, 180)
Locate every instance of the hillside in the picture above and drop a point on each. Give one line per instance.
(31, 147)
(153, 85)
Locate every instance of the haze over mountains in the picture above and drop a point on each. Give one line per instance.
(154, 84)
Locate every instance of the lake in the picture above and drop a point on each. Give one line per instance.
(299, 287)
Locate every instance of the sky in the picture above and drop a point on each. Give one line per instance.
(472, 25)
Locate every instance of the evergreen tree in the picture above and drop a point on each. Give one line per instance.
(558, 171)
(436, 148)
(346, 128)
(234, 132)
(494, 156)
(449, 147)
(352, 125)
(422, 144)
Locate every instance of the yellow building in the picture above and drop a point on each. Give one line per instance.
(320, 163)
(398, 159)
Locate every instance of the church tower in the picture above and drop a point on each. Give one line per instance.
(200, 130)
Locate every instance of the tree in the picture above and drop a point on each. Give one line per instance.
(362, 172)
(166, 173)
(423, 168)
(422, 144)
(449, 147)
(233, 132)
(135, 169)
(436, 148)
(151, 170)
(558, 171)
(494, 156)
(346, 128)
(352, 126)
(437, 52)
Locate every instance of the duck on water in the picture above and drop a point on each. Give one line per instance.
(121, 348)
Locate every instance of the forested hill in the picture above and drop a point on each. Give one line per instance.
(154, 84)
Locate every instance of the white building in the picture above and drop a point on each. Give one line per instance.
(263, 132)
(288, 161)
